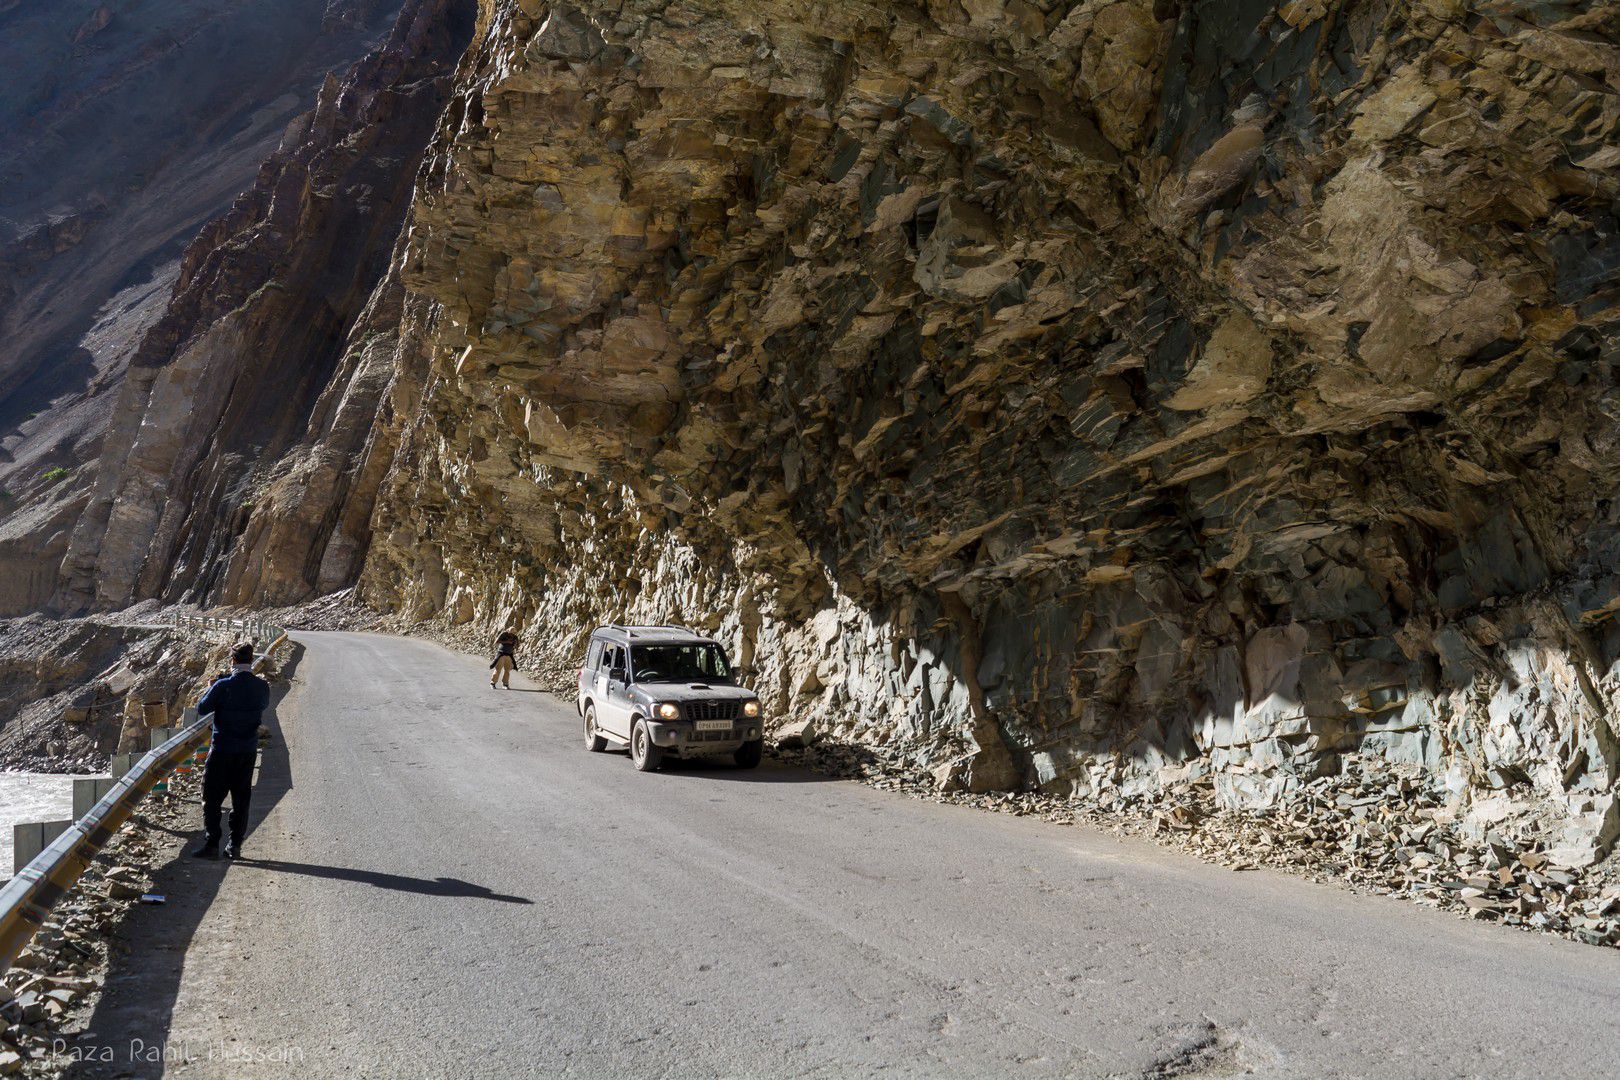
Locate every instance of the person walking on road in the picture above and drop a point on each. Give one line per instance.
(237, 701)
(505, 661)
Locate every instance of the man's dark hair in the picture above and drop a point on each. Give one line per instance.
(243, 653)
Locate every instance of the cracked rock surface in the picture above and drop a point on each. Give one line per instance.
(1084, 397)
(1058, 395)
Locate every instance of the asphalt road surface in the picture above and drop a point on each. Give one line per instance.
(446, 884)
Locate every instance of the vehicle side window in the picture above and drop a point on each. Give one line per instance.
(613, 657)
(594, 659)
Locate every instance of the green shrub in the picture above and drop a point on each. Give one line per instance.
(51, 476)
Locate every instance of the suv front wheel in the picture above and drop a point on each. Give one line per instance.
(642, 751)
(593, 738)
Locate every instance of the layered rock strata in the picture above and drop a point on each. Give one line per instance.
(77, 690)
(123, 129)
(230, 467)
(1066, 394)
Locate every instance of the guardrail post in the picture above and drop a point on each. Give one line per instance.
(30, 838)
(122, 763)
(157, 736)
(89, 790)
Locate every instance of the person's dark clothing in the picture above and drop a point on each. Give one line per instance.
(238, 702)
(229, 773)
(505, 645)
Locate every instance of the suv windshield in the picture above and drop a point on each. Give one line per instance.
(679, 663)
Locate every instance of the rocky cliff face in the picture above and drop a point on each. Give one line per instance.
(1079, 395)
(74, 691)
(1068, 394)
(227, 469)
(123, 128)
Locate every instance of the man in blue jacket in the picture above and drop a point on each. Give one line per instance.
(237, 702)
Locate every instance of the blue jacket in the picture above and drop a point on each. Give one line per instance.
(237, 702)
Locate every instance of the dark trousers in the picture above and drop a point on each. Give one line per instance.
(228, 774)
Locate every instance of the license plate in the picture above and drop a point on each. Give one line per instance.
(713, 725)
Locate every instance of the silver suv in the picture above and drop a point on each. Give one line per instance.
(666, 690)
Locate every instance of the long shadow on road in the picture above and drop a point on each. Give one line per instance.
(148, 950)
(444, 886)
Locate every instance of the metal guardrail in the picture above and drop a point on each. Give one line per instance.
(259, 629)
(27, 899)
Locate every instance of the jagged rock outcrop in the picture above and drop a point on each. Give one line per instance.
(76, 690)
(229, 470)
(1064, 392)
(123, 128)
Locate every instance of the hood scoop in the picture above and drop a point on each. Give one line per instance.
(698, 686)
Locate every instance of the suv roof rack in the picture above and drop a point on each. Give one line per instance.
(630, 631)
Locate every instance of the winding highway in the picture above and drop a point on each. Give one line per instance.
(442, 882)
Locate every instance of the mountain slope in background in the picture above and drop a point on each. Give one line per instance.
(124, 126)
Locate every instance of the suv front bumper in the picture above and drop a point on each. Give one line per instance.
(684, 737)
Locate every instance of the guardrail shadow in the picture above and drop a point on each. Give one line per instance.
(147, 951)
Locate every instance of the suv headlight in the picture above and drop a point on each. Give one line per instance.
(750, 708)
(668, 711)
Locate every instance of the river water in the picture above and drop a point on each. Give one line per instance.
(26, 796)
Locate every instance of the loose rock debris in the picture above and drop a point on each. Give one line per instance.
(1370, 828)
(51, 991)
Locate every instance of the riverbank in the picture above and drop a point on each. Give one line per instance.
(31, 796)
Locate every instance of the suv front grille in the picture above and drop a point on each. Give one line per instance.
(711, 710)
